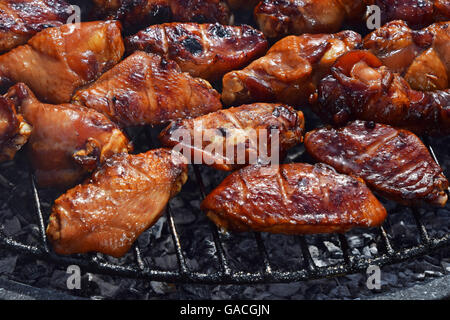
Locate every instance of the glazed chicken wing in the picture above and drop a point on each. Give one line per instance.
(14, 131)
(416, 13)
(360, 87)
(238, 136)
(421, 57)
(277, 18)
(294, 199)
(146, 89)
(122, 199)
(290, 71)
(207, 51)
(56, 61)
(67, 141)
(395, 163)
(21, 19)
(135, 14)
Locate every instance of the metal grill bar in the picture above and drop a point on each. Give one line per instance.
(38, 210)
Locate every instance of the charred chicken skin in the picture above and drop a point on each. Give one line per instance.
(21, 19)
(277, 18)
(146, 89)
(142, 13)
(207, 51)
(293, 199)
(416, 13)
(290, 71)
(360, 87)
(67, 141)
(394, 163)
(421, 57)
(123, 198)
(56, 61)
(250, 128)
(14, 131)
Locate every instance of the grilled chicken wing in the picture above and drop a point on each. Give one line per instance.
(147, 89)
(277, 18)
(207, 51)
(56, 61)
(417, 13)
(290, 71)
(294, 199)
(142, 13)
(360, 87)
(238, 136)
(21, 19)
(421, 57)
(395, 163)
(14, 131)
(67, 141)
(122, 199)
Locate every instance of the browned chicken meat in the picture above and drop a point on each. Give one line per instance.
(21, 19)
(14, 131)
(290, 71)
(360, 87)
(122, 199)
(146, 89)
(56, 61)
(207, 51)
(417, 13)
(142, 13)
(67, 141)
(421, 57)
(277, 18)
(294, 199)
(232, 138)
(394, 163)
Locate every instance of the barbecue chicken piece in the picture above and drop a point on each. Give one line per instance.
(360, 87)
(278, 18)
(421, 57)
(394, 163)
(242, 5)
(294, 198)
(290, 71)
(123, 198)
(137, 14)
(146, 89)
(416, 13)
(56, 61)
(207, 51)
(232, 138)
(21, 19)
(14, 131)
(67, 141)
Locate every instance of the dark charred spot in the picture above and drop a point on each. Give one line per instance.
(222, 131)
(219, 31)
(200, 18)
(192, 45)
(164, 63)
(370, 125)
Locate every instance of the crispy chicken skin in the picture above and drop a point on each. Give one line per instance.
(277, 18)
(146, 89)
(123, 198)
(14, 130)
(249, 128)
(394, 163)
(294, 198)
(416, 13)
(360, 87)
(207, 51)
(21, 19)
(421, 57)
(142, 13)
(67, 141)
(56, 61)
(290, 71)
